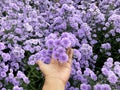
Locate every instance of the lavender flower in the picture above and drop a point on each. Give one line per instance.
(85, 87)
(97, 87)
(2, 46)
(17, 88)
(106, 46)
(86, 49)
(50, 43)
(63, 57)
(65, 42)
(106, 87)
(112, 78)
(32, 30)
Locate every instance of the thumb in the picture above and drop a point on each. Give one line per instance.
(42, 66)
(70, 54)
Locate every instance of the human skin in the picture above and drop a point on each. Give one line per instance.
(56, 73)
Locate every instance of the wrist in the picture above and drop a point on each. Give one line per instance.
(54, 80)
(54, 83)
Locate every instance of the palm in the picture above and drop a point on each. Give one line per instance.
(56, 69)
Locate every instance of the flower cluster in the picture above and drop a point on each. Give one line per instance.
(55, 46)
(111, 70)
(58, 45)
(102, 87)
(33, 30)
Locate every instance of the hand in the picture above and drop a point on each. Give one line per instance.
(56, 70)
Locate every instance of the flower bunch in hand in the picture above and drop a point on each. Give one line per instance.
(56, 46)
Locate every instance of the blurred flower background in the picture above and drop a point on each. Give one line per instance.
(27, 30)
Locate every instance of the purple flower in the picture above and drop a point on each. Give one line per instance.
(95, 57)
(116, 63)
(32, 30)
(50, 43)
(93, 76)
(109, 63)
(3, 74)
(79, 72)
(60, 50)
(2, 46)
(17, 88)
(43, 52)
(26, 80)
(65, 35)
(98, 87)
(106, 87)
(117, 69)
(110, 59)
(71, 88)
(18, 31)
(20, 74)
(112, 78)
(49, 52)
(51, 36)
(86, 49)
(85, 87)
(56, 55)
(81, 33)
(31, 62)
(6, 56)
(6, 68)
(57, 42)
(106, 46)
(3, 89)
(105, 71)
(58, 20)
(47, 60)
(67, 85)
(65, 42)
(63, 57)
(73, 72)
(77, 54)
(118, 30)
(87, 72)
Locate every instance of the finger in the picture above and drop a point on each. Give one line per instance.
(53, 60)
(68, 51)
(42, 65)
(70, 54)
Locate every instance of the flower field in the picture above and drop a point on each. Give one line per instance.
(32, 30)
